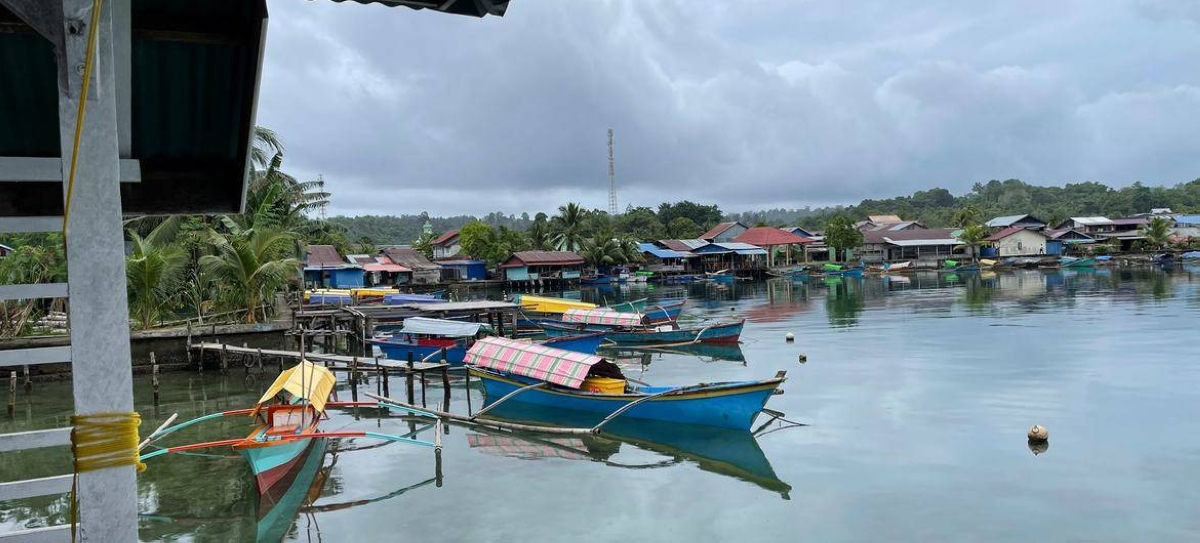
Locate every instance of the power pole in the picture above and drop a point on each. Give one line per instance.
(612, 178)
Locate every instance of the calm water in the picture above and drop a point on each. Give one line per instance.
(916, 396)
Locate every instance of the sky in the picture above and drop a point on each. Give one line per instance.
(747, 104)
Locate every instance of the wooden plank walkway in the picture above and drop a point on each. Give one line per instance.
(362, 361)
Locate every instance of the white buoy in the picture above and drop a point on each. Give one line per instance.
(1038, 432)
(790, 336)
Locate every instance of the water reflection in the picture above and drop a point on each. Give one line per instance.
(705, 352)
(721, 451)
(844, 300)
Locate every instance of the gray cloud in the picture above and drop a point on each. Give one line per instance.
(743, 104)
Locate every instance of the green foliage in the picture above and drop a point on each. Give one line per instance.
(493, 245)
(154, 271)
(967, 215)
(972, 236)
(641, 223)
(424, 244)
(568, 227)
(35, 259)
(249, 267)
(683, 228)
(840, 234)
(704, 216)
(1157, 232)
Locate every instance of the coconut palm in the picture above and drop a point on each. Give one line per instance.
(539, 235)
(972, 236)
(249, 267)
(602, 252)
(967, 215)
(266, 145)
(568, 227)
(153, 271)
(1157, 232)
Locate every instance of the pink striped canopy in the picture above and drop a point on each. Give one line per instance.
(566, 368)
(603, 316)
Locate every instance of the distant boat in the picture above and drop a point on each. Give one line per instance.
(404, 299)
(424, 338)
(728, 332)
(596, 280)
(1190, 255)
(897, 267)
(564, 380)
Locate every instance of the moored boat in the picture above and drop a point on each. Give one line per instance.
(725, 332)
(424, 338)
(586, 343)
(539, 375)
(1074, 262)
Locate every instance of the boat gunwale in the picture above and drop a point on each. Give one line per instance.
(730, 388)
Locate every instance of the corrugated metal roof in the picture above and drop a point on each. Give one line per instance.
(410, 258)
(1127, 221)
(719, 229)
(542, 258)
(460, 262)
(659, 252)
(884, 219)
(731, 247)
(324, 256)
(1010, 231)
(908, 235)
(1187, 220)
(1009, 220)
(1091, 221)
(473, 8)
(445, 237)
(765, 236)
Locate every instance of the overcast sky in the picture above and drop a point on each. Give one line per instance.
(746, 104)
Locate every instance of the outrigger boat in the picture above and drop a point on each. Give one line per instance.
(632, 329)
(424, 338)
(656, 313)
(548, 377)
(837, 270)
(288, 416)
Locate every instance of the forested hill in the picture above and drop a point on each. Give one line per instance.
(938, 207)
(935, 207)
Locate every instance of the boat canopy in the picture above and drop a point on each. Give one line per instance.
(556, 366)
(602, 316)
(550, 305)
(442, 327)
(304, 380)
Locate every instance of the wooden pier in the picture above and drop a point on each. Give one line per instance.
(356, 366)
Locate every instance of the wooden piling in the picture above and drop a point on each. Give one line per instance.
(154, 376)
(28, 380)
(445, 385)
(259, 360)
(386, 391)
(12, 393)
(437, 450)
(408, 378)
(200, 363)
(225, 360)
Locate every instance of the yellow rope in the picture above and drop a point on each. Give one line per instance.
(80, 114)
(99, 441)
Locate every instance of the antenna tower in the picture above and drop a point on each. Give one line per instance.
(612, 178)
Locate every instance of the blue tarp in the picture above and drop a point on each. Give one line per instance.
(1191, 255)
(658, 252)
(401, 299)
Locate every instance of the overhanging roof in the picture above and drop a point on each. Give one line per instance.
(474, 8)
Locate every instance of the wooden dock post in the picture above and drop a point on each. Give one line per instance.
(408, 378)
(154, 376)
(445, 384)
(260, 364)
(200, 363)
(28, 380)
(437, 450)
(12, 393)
(225, 359)
(385, 371)
(354, 379)
(188, 347)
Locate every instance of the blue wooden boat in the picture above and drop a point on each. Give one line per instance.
(1073, 262)
(424, 338)
(681, 278)
(558, 379)
(727, 332)
(586, 343)
(595, 280)
(405, 299)
(277, 508)
(837, 270)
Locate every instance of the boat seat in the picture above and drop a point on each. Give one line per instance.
(282, 430)
(284, 421)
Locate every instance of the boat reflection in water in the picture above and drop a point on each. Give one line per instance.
(732, 453)
(295, 495)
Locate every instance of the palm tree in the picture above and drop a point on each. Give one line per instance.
(1157, 232)
(539, 235)
(602, 252)
(967, 215)
(266, 144)
(249, 267)
(153, 271)
(568, 227)
(972, 237)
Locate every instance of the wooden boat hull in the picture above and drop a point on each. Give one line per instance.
(1081, 263)
(272, 461)
(278, 507)
(398, 350)
(725, 405)
(663, 312)
(856, 272)
(586, 343)
(603, 280)
(721, 333)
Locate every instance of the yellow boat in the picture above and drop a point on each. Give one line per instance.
(544, 304)
(371, 294)
(326, 291)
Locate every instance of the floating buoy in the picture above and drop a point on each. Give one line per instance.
(790, 336)
(733, 309)
(803, 358)
(1038, 446)
(1038, 432)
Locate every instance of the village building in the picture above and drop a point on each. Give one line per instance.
(325, 268)
(894, 227)
(1087, 225)
(925, 247)
(731, 255)
(463, 269)
(1017, 241)
(875, 221)
(1021, 221)
(783, 247)
(423, 271)
(1066, 241)
(725, 231)
(446, 245)
(661, 260)
(380, 271)
(542, 265)
(5, 250)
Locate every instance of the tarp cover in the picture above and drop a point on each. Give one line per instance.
(566, 368)
(401, 299)
(602, 316)
(304, 380)
(441, 327)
